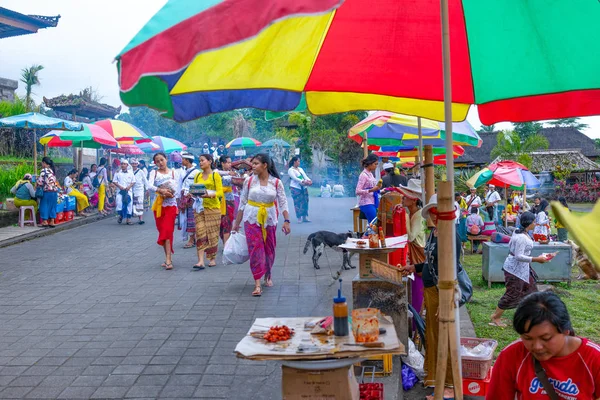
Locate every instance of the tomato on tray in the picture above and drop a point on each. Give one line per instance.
(278, 334)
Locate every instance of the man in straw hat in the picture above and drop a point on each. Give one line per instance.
(124, 181)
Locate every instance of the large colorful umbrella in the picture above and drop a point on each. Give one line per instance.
(124, 132)
(276, 142)
(168, 145)
(196, 58)
(129, 149)
(149, 147)
(91, 137)
(504, 173)
(243, 142)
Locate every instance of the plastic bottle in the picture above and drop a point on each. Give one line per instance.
(340, 314)
(382, 238)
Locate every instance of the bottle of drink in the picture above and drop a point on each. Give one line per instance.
(340, 314)
(381, 238)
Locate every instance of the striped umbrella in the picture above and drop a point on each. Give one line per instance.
(168, 145)
(91, 137)
(243, 142)
(129, 149)
(123, 132)
(505, 173)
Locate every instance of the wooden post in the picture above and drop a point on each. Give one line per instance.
(35, 165)
(449, 333)
(365, 144)
(45, 150)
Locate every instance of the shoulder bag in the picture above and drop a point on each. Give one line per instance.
(543, 378)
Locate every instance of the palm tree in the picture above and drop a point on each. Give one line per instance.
(510, 146)
(29, 76)
(487, 128)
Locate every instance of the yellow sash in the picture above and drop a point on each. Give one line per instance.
(157, 205)
(261, 218)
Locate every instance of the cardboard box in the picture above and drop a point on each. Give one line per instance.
(477, 387)
(332, 384)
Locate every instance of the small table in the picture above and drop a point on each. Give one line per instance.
(556, 270)
(481, 238)
(360, 225)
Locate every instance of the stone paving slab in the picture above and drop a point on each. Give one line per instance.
(89, 313)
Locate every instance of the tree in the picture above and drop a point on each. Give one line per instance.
(240, 126)
(487, 129)
(597, 141)
(568, 123)
(29, 76)
(510, 146)
(526, 129)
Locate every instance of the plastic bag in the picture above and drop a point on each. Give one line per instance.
(409, 378)
(236, 249)
(414, 360)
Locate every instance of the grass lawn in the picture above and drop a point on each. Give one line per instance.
(582, 300)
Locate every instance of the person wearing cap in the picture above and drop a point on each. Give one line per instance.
(124, 181)
(24, 193)
(473, 200)
(69, 187)
(205, 149)
(367, 186)
(391, 178)
(416, 239)
(221, 150)
(491, 200)
(432, 298)
(186, 201)
(139, 190)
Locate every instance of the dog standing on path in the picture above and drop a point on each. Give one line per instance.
(320, 239)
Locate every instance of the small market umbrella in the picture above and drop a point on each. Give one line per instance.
(149, 147)
(243, 142)
(503, 174)
(36, 121)
(129, 149)
(168, 145)
(383, 128)
(123, 131)
(91, 137)
(276, 142)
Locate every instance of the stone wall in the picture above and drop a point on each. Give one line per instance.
(7, 89)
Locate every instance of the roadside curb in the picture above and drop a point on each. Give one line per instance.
(59, 228)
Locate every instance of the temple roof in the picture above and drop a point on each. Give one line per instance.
(82, 106)
(13, 23)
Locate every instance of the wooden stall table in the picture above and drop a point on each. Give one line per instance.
(315, 366)
(472, 238)
(360, 225)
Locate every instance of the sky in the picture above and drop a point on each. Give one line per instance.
(79, 52)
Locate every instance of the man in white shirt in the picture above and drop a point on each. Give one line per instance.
(139, 190)
(473, 200)
(187, 223)
(491, 202)
(124, 181)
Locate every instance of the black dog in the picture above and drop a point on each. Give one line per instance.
(332, 240)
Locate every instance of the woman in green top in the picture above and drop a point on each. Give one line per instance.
(208, 220)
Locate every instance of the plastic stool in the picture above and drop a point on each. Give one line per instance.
(22, 220)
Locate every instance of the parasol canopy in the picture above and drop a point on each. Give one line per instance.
(90, 137)
(168, 145)
(196, 58)
(276, 142)
(149, 147)
(504, 173)
(35, 120)
(243, 142)
(123, 132)
(129, 149)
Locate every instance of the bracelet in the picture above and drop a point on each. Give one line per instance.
(286, 220)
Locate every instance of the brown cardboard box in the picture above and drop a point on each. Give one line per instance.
(332, 384)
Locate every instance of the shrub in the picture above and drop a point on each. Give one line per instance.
(579, 192)
(9, 176)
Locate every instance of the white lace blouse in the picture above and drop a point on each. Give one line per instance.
(263, 194)
(168, 180)
(519, 256)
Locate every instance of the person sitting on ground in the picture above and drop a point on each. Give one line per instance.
(391, 178)
(338, 190)
(474, 226)
(325, 189)
(24, 193)
(69, 187)
(547, 358)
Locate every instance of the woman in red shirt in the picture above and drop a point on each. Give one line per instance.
(571, 364)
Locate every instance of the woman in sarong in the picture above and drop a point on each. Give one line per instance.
(299, 182)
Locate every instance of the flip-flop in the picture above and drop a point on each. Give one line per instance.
(212, 265)
(169, 266)
(141, 222)
(269, 283)
(189, 246)
(500, 325)
(257, 292)
(198, 267)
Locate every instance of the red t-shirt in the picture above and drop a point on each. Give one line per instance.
(575, 377)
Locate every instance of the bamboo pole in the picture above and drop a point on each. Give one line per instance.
(506, 206)
(421, 172)
(35, 165)
(449, 333)
(365, 146)
(428, 172)
(45, 150)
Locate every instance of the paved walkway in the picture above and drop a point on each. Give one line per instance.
(89, 313)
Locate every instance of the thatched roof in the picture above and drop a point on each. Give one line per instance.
(558, 139)
(82, 106)
(548, 160)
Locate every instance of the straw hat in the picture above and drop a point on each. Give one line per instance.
(431, 204)
(412, 189)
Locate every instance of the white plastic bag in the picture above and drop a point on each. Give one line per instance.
(236, 249)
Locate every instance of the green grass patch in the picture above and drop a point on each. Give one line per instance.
(582, 299)
(9, 176)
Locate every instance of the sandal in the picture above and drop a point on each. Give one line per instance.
(198, 267)
(169, 266)
(163, 264)
(212, 265)
(257, 291)
(498, 324)
(189, 245)
(268, 282)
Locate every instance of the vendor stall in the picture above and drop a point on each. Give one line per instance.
(558, 269)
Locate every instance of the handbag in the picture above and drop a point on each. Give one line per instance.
(416, 253)
(465, 285)
(543, 378)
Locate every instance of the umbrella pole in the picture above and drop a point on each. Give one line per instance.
(449, 323)
(506, 206)
(45, 150)
(429, 177)
(421, 172)
(35, 151)
(365, 146)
